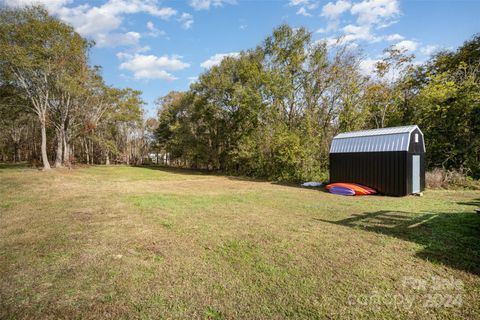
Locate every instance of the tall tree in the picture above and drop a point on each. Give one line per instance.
(35, 51)
(385, 92)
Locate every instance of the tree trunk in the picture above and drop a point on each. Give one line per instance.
(46, 164)
(66, 151)
(59, 156)
(107, 158)
(15, 150)
(34, 146)
(66, 147)
(91, 150)
(87, 154)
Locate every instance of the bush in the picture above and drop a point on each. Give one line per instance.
(449, 179)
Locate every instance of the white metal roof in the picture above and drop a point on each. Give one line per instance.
(376, 140)
(376, 132)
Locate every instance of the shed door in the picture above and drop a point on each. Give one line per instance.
(415, 174)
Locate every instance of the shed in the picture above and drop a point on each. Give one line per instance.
(390, 160)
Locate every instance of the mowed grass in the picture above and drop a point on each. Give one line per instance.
(144, 243)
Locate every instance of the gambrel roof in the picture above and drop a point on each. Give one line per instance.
(375, 140)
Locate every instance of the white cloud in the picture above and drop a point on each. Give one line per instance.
(124, 55)
(192, 79)
(117, 39)
(116, 7)
(386, 24)
(357, 33)
(302, 11)
(406, 45)
(151, 66)
(305, 6)
(370, 15)
(129, 53)
(186, 19)
(217, 59)
(334, 10)
(354, 33)
(394, 37)
(337, 42)
(206, 4)
(293, 3)
(154, 32)
(90, 21)
(101, 22)
(367, 66)
(428, 49)
(362, 31)
(50, 5)
(371, 12)
(200, 4)
(142, 49)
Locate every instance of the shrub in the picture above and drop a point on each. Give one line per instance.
(449, 179)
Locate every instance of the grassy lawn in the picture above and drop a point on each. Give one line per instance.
(122, 242)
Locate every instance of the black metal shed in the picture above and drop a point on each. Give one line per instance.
(390, 160)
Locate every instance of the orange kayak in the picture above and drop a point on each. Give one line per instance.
(359, 189)
(372, 191)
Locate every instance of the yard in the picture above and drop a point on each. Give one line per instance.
(149, 243)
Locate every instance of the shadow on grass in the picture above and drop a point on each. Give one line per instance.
(186, 171)
(474, 202)
(189, 171)
(452, 239)
(182, 171)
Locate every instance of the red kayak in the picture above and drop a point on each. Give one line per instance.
(359, 189)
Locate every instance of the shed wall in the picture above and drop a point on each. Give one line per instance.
(386, 172)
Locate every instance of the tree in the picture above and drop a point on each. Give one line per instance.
(44, 70)
(450, 117)
(385, 92)
(268, 112)
(285, 55)
(35, 52)
(127, 118)
(14, 120)
(68, 92)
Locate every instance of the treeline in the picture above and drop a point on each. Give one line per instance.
(54, 106)
(273, 111)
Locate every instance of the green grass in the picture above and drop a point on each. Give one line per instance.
(150, 243)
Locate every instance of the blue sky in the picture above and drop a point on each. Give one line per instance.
(158, 46)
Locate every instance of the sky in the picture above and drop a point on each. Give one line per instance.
(159, 46)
